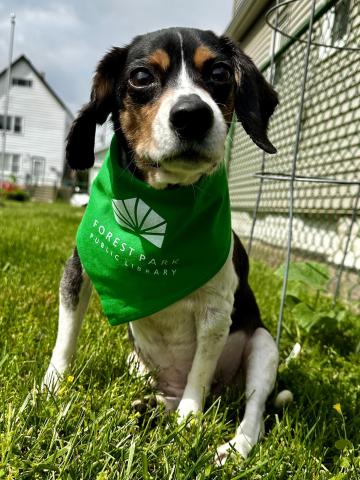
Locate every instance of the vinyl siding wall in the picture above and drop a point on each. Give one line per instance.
(329, 142)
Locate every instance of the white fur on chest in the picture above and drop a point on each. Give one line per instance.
(166, 341)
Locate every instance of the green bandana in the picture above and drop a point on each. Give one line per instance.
(143, 248)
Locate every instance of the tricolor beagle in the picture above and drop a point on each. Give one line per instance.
(172, 95)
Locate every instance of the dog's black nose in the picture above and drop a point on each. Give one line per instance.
(191, 117)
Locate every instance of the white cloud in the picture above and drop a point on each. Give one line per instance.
(66, 39)
(53, 15)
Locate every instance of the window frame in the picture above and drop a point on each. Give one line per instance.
(327, 32)
(283, 24)
(9, 163)
(20, 132)
(18, 158)
(21, 82)
(11, 122)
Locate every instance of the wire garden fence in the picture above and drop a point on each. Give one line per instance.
(302, 203)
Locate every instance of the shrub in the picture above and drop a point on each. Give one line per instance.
(19, 195)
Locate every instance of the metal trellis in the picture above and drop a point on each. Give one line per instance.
(313, 183)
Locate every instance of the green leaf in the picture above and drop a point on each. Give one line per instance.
(291, 300)
(345, 462)
(313, 274)
(343, 443)
(304, 316)
(296, 289)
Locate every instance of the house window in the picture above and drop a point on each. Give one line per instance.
(17, 124)
(21, 82)
(277, 73)
(341, 19)
(5, 165)
(11, 164)
(335, 28)
(283, 26)
(15, 164)
(2, 122)
(13, 124)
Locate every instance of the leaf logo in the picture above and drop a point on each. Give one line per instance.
(134, 215)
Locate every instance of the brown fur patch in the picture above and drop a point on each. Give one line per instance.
(227, 109)
(136, 123)
(160, 58)
(102, 87)
(237, 77)
(201, 55)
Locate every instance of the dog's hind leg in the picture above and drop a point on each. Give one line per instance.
(261, 361)
(75, 291)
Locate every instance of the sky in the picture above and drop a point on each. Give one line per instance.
(65, 39)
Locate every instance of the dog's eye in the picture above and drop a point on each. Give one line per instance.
(220, 73)
(141, 77)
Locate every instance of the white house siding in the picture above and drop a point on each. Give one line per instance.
(257, 42)
(104, 134)
(99, 159)
(44, 125)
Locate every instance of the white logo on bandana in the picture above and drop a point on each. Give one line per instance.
(134, 215)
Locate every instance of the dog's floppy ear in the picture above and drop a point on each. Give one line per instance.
(81, 137)
(255, 99)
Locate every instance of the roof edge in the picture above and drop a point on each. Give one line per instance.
(245, 15)
(42, 79)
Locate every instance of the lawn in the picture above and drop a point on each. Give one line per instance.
(89, 430)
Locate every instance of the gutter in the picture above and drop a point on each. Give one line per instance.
(246, 13)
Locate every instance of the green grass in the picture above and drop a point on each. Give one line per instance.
(89, 430)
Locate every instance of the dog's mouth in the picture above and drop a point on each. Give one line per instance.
(190, 159)
(183, 167)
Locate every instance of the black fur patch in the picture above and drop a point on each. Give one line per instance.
(246, 314)
(255, 99)
(71, 281)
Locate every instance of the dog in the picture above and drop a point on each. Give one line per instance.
(171, 95)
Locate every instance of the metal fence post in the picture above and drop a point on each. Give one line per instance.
(7, 95)
(261, 180)
(293, 173)
(342, 264)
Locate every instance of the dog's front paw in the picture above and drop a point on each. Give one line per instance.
(51, 381)
(240, 445)
(186, 407)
